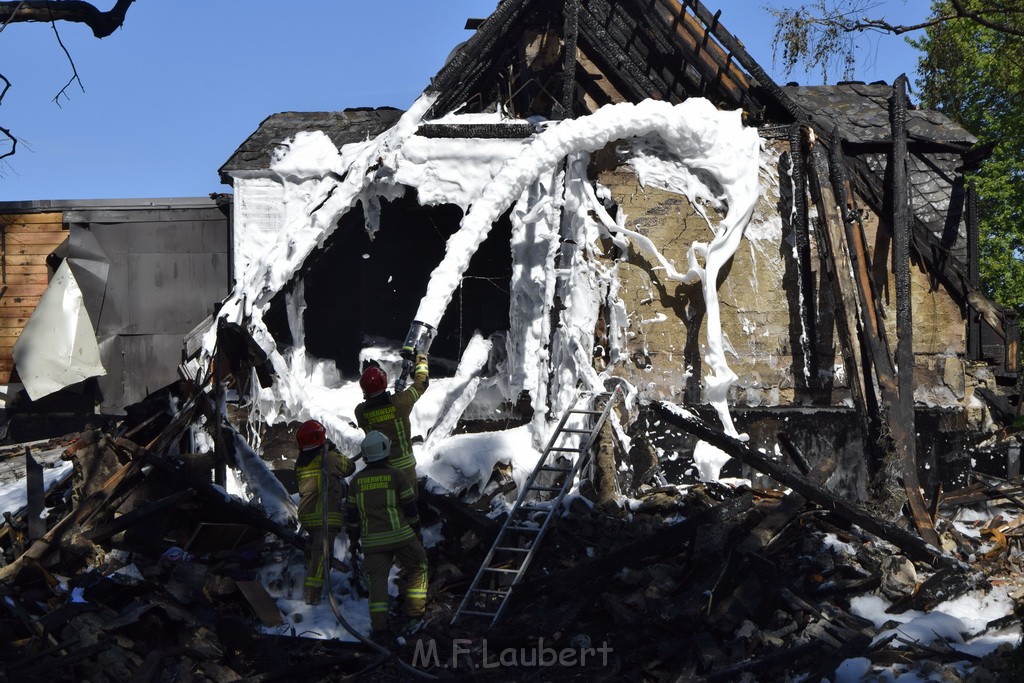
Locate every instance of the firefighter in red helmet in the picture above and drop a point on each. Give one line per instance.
(311, 438)
(389, 414)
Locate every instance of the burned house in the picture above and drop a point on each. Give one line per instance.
(634, 248)
(596, 262)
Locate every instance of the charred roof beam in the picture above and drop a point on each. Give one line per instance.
(612, 60)
(458, 78)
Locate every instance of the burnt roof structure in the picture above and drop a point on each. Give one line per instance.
(570, 57)
(625, 50)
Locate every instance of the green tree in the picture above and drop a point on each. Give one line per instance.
(975, 74)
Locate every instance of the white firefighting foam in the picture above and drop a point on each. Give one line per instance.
(691, 148)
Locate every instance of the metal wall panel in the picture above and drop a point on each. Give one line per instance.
(167, 271)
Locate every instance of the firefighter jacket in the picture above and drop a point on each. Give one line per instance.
(389, 415)
(381, 510)
(310, 472)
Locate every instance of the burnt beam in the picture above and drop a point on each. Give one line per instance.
(910, 544)
(571, 37)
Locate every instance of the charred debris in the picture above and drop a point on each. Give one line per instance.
(144, 569)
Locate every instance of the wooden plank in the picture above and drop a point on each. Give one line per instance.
(18, 238)
(26, 278)
(22, 228)
(14, 269)
(51, 217)
(838, 264)
(910, 544)
(11, 332)
(13, 311)
(18, 305)
(19, 260)
(21, 249)
(261, 602)
(18, 322)
(18, 290)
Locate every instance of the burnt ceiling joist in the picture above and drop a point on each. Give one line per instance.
(658, 49)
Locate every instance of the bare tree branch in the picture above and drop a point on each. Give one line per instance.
(74, 69)
(101, 23)
(14, 140)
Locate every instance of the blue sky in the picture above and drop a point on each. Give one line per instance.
(171, 95)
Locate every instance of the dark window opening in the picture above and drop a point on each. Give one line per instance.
(356, 288)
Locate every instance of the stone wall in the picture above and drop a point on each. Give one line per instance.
(760, 306)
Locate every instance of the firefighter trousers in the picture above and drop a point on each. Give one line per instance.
(413, 559)
(315, 565)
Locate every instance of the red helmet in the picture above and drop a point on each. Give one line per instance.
(373, 381)
(311, 434)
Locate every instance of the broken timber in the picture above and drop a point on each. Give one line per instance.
(912, 545)
(861, 330)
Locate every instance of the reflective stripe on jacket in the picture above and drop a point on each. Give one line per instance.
(381, 508)
(309, 471)
(389, 415)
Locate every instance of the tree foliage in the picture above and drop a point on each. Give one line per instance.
(975, 74)
(820, 34)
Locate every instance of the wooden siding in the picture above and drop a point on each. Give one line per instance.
(27, 239)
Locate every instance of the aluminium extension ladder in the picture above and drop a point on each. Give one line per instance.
(521, 534)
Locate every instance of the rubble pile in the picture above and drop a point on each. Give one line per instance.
(147, 571)
(719, 582)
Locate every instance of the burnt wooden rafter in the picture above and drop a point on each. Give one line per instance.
(613, 61)
(692, 39)
(678, 64)
(658, 49)
(456, 82)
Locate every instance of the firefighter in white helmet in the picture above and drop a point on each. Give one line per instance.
(381, 518)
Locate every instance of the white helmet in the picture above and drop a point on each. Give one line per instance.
(375, 447)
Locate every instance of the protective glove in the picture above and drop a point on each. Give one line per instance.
(420, 368)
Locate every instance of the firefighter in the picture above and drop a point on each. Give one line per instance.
(311, 438)
(389, 414)
(382, 520)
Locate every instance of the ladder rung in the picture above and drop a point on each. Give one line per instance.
(514, 550)
(577, 431)
(543, 488)
(475, 613)
(564, 449)
(587, 412)
(549, 468)
(522, 528)
(531, 508)
(490, 591)
(500, 571)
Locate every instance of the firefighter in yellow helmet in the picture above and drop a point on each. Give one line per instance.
(381, 518)
(389, 414)
(309, 470)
